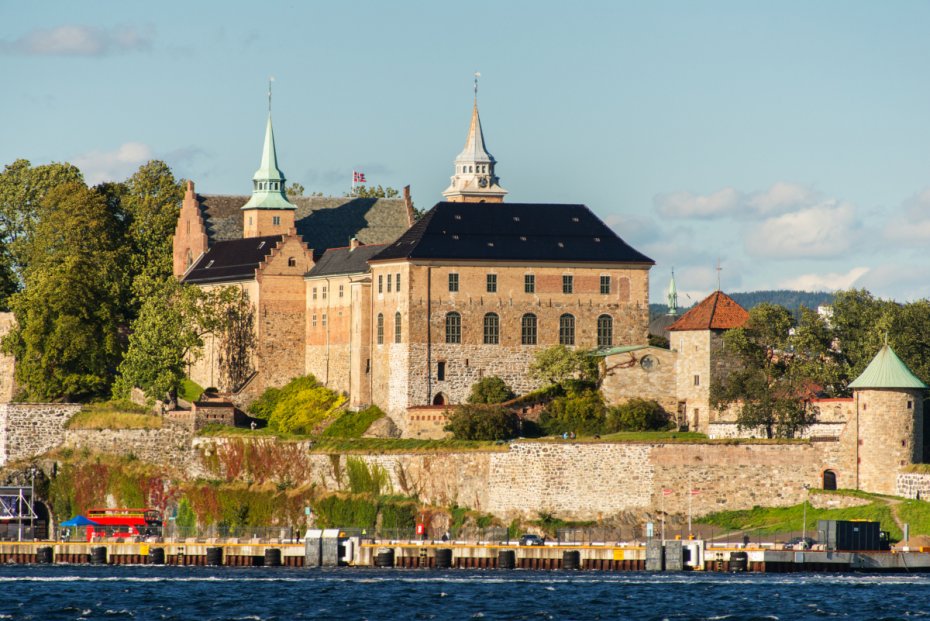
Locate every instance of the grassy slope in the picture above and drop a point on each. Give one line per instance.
(114, 415)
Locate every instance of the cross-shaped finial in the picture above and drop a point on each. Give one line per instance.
(477, 75)
(719, 269)
(270, 80)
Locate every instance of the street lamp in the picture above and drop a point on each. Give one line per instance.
(807, 493)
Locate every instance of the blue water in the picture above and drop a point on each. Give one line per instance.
(260, 594)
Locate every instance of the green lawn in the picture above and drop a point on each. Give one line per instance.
(189, 390)
(115, 415)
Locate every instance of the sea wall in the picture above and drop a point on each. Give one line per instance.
(30, 429)
(170, 445)
(582, 481)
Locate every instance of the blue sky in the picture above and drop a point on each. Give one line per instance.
(791, 140)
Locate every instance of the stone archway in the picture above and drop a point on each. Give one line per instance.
(829, 480)
(439, 399)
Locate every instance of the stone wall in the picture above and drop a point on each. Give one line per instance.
(170, 445)
(30, 429)
(427, 422)
(913, 485)
(890, 436)
(719, 431)
(627, 377)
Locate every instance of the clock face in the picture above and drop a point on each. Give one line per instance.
(648, 363)
(483, 182)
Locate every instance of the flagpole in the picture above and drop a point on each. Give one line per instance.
(663, 516)
(690, 495)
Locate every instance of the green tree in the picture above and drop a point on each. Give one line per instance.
(491, 389)
(637, 415)
(482, 422)
(579, 411)
(771, 384)
(294, 190)
(364, 191)
(66, 340)
(558, 364)
(151, 203)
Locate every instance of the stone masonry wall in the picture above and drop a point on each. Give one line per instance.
(890, 436)
(170, 445)
(913, 485)
(29, 429)
(626, 377)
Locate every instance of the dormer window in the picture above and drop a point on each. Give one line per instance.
(261, 245)
(458, 216)
(210, 264)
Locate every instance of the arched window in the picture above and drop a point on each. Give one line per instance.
(829, 479)
(380, 329)
(453, 328)
(605, 331)
(397, 327)
(528, 329)
(567, 330)
(190, 258)
(492, 329)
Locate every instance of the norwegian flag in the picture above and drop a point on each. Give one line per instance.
(666, 492)
(358, 177)
(695, 492)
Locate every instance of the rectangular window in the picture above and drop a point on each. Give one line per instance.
(314, 293)
(453, 283)
(568, 283)
(441, 371)
(341, 290)
(397, 327)
(380, 283)
(697, 380)
(605, 285)
(492, 329)
(528, 329)
(276, 220)
(313, 321)
(389, 283)
(529, 283)
(492, 283)
(324, 319)
(323, 292)
(453, 328)
(397, 278)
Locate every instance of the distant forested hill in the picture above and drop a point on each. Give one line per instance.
(790, 299)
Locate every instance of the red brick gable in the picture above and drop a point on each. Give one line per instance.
(718, 311)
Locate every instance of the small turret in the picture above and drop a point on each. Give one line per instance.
(672, 296)
(889, 421)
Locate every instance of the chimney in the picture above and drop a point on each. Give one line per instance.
(354, 243)
(408, 203)
(190, 188)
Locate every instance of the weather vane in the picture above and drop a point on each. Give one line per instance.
(270, 80)
(477, 75)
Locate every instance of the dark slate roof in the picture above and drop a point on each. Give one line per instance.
(323, 222)
(345, 261)
(232, 260)
(512, 232)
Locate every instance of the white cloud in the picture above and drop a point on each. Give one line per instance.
(781, 197)
(99, 166)
(825, 230)
(633, 229)
(912, 224)
(828, 281)
(75, 40)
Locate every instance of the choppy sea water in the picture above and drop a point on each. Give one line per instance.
(260, 594)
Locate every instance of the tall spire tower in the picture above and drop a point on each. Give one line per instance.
(672, 296)
(474, 180)
(268, 212)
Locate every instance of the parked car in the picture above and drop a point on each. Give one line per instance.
(800, 543)
(532, 540)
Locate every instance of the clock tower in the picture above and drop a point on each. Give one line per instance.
(474, 180)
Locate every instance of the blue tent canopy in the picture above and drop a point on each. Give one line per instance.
(79, 520)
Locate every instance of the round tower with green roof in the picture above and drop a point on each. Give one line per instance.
(889, 421)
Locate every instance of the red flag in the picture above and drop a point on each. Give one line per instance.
(358, 177)
(666, 492)
(695, 492)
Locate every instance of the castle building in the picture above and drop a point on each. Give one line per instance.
(404, 314)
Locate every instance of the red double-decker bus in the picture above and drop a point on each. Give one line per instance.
(116, 522)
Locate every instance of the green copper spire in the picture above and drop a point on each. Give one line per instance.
(672, 296)
(887, 371)
(268, 182)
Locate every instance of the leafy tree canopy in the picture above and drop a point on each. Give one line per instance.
(558, 364)
(482, 422)
(491, 389)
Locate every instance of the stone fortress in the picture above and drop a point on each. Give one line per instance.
(408, 313)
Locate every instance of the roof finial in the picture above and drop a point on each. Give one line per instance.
(672, 296)
(477, 75)
(270, 80)
(719, 269)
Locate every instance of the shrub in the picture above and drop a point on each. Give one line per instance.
(482, 422)
(580, 412)
(490, 389)
(298, 407)
(555, 365)
(637, 415)
(353, 424)
(346, 512)
(367, 480)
